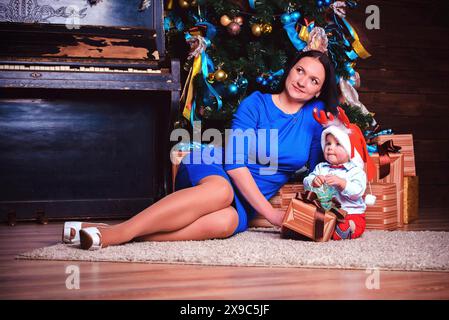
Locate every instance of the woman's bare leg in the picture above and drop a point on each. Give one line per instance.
(218, 224)
(173, 212)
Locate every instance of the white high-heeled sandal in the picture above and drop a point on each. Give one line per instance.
(90, 238)
(67, 232)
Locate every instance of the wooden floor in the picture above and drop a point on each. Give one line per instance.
(21, 279)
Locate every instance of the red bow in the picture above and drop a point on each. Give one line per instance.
(337, 166)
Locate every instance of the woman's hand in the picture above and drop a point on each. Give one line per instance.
(335, 181)
(318, 181)
(275, 216)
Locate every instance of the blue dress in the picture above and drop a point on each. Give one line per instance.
(270, 162)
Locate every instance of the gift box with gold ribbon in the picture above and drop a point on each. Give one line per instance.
(383, 215)
(411, 199)
(307, 219)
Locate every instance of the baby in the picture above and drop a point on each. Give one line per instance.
(344, 170)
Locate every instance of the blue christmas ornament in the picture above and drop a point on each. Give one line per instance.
(264, 82)
(285, 18)
(319, 3)
(259, 79)
(294, 16)
(243, 83)
(270, 78)
(233, 89)
(327, 2)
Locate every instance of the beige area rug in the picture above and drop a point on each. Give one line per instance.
(385, 250)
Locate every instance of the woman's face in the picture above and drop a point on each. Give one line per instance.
(305, 79)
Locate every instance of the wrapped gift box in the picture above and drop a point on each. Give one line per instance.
(383, 214)
(280, 200)
(405, 141)
(307, 220)
(411, 199)
(396, 176)
(286, 194)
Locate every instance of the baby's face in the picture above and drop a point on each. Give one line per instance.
(334, 153)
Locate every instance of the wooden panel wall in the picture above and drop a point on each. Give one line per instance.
(405, 83)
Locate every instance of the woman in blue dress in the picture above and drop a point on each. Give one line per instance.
(218, 200)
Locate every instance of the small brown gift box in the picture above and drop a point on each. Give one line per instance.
(176, 157)
(396, 176)
(286, 194)
(383, 214)
(306, 217)
(405, 141)
(280, 200)
(411, 201)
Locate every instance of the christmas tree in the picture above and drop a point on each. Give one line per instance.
(230, 48)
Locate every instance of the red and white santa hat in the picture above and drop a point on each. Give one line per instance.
(350, 137)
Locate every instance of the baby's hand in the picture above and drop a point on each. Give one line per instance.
(335, 181)
(318, 181)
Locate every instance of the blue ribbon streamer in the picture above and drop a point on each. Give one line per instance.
(171, 20)
(352, 55)
(372, 149)
(351, 72)
(252, 4)
(192, 112)
(182, 146)
(293, 36)
(206, 63)
(278, 73)
(207, 66)
(167, 23)
(211, 30)
(384, 132)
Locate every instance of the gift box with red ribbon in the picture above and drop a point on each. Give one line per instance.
(389, 146)
(405, 142)
(306, 219)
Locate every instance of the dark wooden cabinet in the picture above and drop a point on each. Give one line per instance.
(84, 133)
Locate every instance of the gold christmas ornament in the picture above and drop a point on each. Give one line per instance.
(267, 28)
(239, 20)
(225, 20)
(184, 4)
(220, 75)
(256, 29)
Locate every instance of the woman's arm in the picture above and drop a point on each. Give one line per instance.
(244, 181)
(237, 149)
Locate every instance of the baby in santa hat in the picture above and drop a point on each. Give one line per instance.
(345, 152)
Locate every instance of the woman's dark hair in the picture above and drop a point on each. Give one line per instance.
(329, 91)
